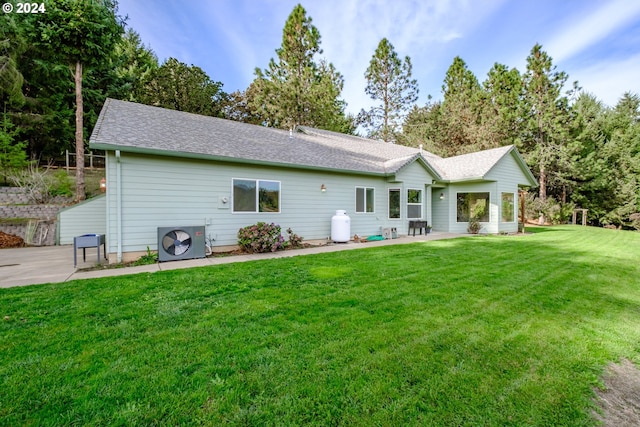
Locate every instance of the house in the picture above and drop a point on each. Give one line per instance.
(168, 168)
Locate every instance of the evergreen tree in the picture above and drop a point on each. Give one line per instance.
(177, 86)
(12, 44)
(545, 119)
(389, 82)
(132, 64)
(501, 105)
(296, 90)
(238, 107)
(12, 154)
(461, 108)
(81, 34)
(424, 126)
(608, 168)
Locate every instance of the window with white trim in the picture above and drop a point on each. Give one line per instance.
(256, 195)
(414, 203)
(472, 205)
(508, 207)
(394, 203)
(365, 200)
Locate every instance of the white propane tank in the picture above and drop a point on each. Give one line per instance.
(340, 227)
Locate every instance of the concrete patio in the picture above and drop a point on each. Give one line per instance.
(54, 264)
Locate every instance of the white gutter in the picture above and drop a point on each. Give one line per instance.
(119, 206)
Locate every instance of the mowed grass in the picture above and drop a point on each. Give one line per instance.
(478, 331)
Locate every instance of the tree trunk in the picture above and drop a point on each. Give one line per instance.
(80, 189)
(543, 191)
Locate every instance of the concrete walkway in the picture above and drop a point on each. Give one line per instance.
(54, 264)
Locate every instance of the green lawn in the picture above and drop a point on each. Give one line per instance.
(479, 331)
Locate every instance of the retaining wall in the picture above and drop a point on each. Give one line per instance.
(14, 203)
(44, 235)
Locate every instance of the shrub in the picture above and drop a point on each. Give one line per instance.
(41, 185)
(260, 237)
(61, 184)
(146, 259)
(34, 181)
(295, 241)
(474, 226)
(554, 212)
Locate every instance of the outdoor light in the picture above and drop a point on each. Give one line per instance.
(103, 185)
(441, 196)
(323, 188)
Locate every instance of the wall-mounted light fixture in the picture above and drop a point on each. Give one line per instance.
(103, 185)
(441, 196)
(323, 188)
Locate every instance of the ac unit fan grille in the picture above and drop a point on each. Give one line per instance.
(176, 242)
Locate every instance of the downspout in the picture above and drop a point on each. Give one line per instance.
(119, 206)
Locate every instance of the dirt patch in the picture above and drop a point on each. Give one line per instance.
(620, 398)
(10, 241)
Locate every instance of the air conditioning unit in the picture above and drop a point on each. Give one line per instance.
(386, 233)
(177, 243)
(390, 232)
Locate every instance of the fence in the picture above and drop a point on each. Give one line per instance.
(95, 160)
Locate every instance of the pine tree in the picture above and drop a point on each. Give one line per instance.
(177, 86)
(132, 64)
(12, 45)
(501, 102)
(295, 90)
(389, 82)
(81, 34)
(461, 108)
(545, 117)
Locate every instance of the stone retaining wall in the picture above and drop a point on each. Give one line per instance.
(17, 196)
(48, 212)
(44, 235)
(14, 203)
(13, 196)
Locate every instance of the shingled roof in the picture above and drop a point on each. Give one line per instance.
(132, 127)
(128, 126)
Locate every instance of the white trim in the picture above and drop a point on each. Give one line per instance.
(118, 206)
(514, 202)
(257, 182)
(473, 192)
(365, 200)
(421, 204)
(399, 190)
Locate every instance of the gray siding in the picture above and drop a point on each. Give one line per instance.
(166, 192)
(508, 175)
(88, 217)
(482, 187)
(440, 209)
(413, 176)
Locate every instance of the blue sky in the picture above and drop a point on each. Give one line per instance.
(597, 42)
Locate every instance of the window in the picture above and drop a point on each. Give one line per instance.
(472, 205)
(364, 199)
(508, 207)
(414, 203)
(254, 195)
(394, 203)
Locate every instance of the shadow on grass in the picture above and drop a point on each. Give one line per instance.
(535, 229)
(497, 331)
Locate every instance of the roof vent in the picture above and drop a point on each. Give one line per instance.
(420, 148)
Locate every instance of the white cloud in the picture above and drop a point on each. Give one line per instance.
(352, 29)
(608, 81)
(588, 30)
